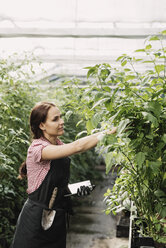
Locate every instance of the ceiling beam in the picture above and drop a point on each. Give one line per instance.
(132, 33)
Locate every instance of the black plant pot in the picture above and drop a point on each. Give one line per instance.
(159, 245)
(138, 241)
(122, 227)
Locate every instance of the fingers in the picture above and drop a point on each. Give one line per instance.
(93, 187)
(114, 129)
(83, 191)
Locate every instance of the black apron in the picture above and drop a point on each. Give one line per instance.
(29, 231)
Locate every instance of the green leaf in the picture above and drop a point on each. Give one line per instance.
(110, 161)
(100, 102)
(130, 77)
(157, 227)
(150, 136)
(114, 117)
(124, 63)
(155, 166)
(120, 209)
(80, 134)
(107, 212)
(109, 105)
(122, 125)
(159, 68)
(163, 212)
(111, 139)
(106, 88)
(68, 114)
(162, 239)
(163, 32)
(78, 123)
(151, 118)
(160, 193)
(87, 67)
(155, 107)
(137, 60)
(154, 38)
(95, 120)
(92, 71)
(149, 46)
(104, 73)
(164, 176)
(140, 50)
(147, 61)
(119, 158)
(164, 138)
(120, 57)
(89, 126)
(140, 158)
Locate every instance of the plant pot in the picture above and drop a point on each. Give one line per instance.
(159, 245)
(122, 227)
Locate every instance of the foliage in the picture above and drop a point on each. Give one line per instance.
(131, 97)
(17, 96)
(82, 165)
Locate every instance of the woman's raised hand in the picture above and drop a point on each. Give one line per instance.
(113, 130)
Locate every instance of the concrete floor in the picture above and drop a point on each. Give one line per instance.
(90, 227)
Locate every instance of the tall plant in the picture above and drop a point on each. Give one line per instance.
(17, 96)
(82, 165)
(134, 100)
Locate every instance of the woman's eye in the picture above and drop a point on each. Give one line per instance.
(56, 118)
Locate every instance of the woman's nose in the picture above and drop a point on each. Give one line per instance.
(61, 121)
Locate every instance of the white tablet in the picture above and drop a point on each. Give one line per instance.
(75, 186)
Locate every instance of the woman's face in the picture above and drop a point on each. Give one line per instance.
(53, 126)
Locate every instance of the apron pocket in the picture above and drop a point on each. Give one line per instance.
(58, 226)
(47, 218)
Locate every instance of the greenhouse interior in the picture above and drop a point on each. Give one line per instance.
(83, 124)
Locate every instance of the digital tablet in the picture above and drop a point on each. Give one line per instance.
(73, 188)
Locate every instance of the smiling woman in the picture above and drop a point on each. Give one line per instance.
(42, 221)
(53, 126)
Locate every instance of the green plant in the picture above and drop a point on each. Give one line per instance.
(17, 96)
(82, 165)
(134, 101)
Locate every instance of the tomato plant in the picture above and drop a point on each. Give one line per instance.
(82, 165)
(17, 96)
(134, 100)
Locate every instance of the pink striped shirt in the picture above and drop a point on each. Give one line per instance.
(37, 169)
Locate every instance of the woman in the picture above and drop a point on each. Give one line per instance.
(42, 221)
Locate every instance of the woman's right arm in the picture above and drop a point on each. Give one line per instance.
(81, 145)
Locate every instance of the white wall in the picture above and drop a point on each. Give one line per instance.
(71, 34)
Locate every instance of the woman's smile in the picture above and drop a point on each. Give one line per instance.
(61, 129)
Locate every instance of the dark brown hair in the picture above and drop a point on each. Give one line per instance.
(22, 171)
(38, 115)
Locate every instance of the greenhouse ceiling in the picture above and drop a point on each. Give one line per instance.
(68, 35)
